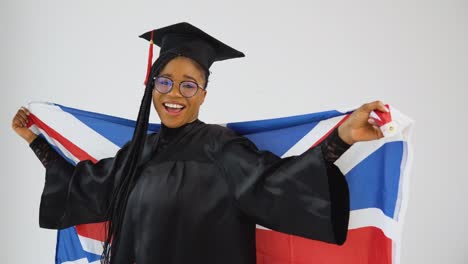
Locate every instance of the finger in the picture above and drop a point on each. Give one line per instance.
(372, 122)
(381, 107)
(20, 123)
(369, 107)
(378, 132)
(17, 124)
(26, 110)
(376, 105)
(22, 120)
(22, 114)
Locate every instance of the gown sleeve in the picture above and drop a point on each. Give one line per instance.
(73, 194)
(303, 195)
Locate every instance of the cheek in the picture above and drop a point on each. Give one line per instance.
(157, 97)
(156, 102)
(195, 104)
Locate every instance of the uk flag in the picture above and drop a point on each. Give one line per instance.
(377, 173)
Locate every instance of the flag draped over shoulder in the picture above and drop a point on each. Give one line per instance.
(376, 172)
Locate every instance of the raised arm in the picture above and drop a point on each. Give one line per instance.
(72, 194)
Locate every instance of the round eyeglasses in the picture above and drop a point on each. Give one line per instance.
(186, 88)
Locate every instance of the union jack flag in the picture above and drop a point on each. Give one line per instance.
(377, 173)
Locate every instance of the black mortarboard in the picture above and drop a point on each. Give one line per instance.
(189, 41)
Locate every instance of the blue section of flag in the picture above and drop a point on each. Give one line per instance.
(69, 247)
(374, 182)
(279, 141)
(117, 130)
(250, 127)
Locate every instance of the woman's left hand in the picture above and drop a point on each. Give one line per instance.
(360, 126)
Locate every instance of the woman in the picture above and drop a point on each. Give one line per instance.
(194, 192)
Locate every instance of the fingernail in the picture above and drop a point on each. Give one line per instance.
(386, 109)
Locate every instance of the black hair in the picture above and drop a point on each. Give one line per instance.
(126, 171)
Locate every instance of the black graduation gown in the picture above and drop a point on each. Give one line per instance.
(199, 195)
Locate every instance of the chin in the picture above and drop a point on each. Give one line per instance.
(172, 124)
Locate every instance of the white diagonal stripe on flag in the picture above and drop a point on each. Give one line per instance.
(74, 130)
(314, 135)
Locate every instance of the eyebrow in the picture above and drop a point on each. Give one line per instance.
(189, 77)
(185, 76)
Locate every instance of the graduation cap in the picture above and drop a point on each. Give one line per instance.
(186, 40)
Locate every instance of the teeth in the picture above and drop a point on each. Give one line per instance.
(173, 105)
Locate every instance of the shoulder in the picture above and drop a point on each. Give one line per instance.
(221, 137)
(221, 131)
(220, 134)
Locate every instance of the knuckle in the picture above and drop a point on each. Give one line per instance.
(366, 106)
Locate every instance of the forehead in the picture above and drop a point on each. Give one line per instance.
(183, 66)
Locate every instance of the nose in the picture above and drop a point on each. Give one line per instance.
(175, 91)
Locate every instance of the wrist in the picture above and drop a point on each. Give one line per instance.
(30, 138)
(344, 135)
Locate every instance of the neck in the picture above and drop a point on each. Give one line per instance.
(169, 132)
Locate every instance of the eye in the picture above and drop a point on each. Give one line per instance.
(189, 85)
(163, 81)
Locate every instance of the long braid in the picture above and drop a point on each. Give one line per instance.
(128, 168)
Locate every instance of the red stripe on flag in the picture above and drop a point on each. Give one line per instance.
(95, 231)
(331, 130)
(363, 246)
(72, 148)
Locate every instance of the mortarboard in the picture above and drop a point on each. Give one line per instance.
(187, 40)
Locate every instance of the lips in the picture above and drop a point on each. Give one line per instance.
(173, 108)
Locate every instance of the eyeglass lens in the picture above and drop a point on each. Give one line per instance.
(164, 85)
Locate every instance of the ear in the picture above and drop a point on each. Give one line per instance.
(202, 99)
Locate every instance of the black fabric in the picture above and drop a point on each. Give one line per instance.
(187, 40)
(333, 146)
(199, 193)
(44, 151)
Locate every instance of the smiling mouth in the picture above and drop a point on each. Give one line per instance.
(173, 108)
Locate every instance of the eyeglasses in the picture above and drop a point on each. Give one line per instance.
(186, 88)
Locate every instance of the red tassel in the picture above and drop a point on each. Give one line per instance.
(150, 59)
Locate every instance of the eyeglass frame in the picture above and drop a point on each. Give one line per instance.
(172, 86)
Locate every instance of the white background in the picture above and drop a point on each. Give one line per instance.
(301, 57)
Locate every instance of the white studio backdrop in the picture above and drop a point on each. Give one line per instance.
(302, 57)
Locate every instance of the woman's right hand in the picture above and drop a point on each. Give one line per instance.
(19, 125)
